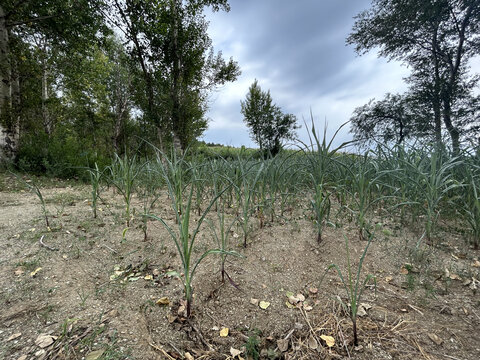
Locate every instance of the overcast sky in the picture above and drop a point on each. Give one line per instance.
(297, 50)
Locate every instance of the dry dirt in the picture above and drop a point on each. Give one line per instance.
(95, 292)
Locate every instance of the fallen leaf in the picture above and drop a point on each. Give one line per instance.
(14, 336)
(293, 300)
(313, 290)
(35, 272)
(189, 356)
(156, 272)
(264, 305)
(361, 311)
(282, 345)
(388, 279)
(148, 277)
(19, 271)
(307, 307)
(435, 338)
(171, 318)
(254, 301)
(455, 277)
(163, 301)
(290, 306)
(300, 297)
(181, 310)
(476, 264)
(44, 340)
(312, 343)
(235, 352)
(94, 355)
(224, 332)
(330, 341)
(404, 270)
(23, 357)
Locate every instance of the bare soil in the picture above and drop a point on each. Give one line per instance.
(86, 286)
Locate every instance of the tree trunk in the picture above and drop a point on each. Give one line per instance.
(47, 124)
(8, 122)
(452, 130)
(177, 125)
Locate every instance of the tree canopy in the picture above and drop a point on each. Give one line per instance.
(269, 126)
(91, 77)
(436, 38)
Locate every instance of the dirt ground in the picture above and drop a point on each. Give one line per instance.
(87, 289)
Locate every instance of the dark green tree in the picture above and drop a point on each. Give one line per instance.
(436, 38)
(171, 49)
(269, 126)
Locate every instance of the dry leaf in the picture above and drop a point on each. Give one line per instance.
(300, 297)
(307, 307)
(163, 301)
(19, 271)
(290, 306)
(44, 340)
(361, 311)
(224, 332)
(264, 305)
(293, 300)
(254, 301)
(181, 310)
(94, 355)
(282, 345)
(328, 339)
(476, 264)
(148, 277)
(23, 357)
(313, 290)
(388, 279)
(235, 352)
(312, 343)
(189, 356)
(14, 336)
(435, 338)
(404, 270)
(35, 272)
(171, 318)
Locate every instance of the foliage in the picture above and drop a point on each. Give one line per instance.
(436, 39)
(269, 127)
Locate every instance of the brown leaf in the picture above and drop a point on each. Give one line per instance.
(235, 352)
(14, 336)
(189, 356)
(312, 343)
(476, 264)
(330, 341)
(254, 301)
(282, 345)
(435, 338)
(94, 355)
(300, 297)
(313, 290)
(44, 340)
(163, 301)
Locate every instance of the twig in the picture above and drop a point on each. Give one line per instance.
(109, 248)
(416, 309)
(343, 340)
(161, 350)
(45, 245)
(210, 347)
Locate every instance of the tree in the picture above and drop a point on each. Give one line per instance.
(169, 44)
(269, 127)
(436, 38)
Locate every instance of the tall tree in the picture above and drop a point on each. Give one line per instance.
(168, 41)
(269, 127)
(436, 38)
(61, 24)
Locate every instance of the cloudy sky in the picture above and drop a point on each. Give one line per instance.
(297, 50)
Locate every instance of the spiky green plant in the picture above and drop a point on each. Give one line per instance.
(182, 206)
(32, 186)
(95, 176)
(123, 175)
(353, 285)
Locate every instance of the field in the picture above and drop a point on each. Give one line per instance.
(296, 253)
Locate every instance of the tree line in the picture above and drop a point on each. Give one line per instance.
(86, 78)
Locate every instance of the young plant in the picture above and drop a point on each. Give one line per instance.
(471, 209)
(95, 176)
(32, 186)
(222, 240)
(321, 208)
(184, 240)
(124, 172)
(354, 287)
